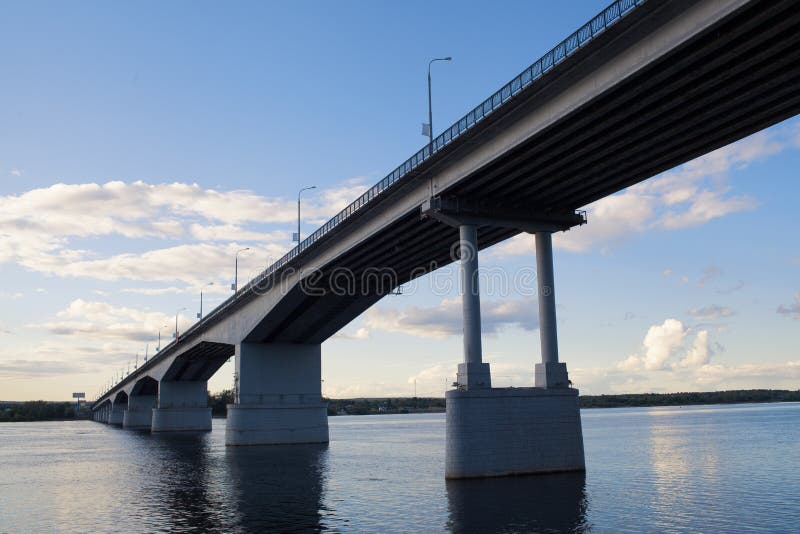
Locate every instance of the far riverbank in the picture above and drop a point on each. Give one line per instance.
(57, 411)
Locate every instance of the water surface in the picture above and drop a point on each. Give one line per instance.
(732, 468)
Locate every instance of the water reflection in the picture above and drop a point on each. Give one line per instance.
(183, 463)
(278, 488)
(543, 503)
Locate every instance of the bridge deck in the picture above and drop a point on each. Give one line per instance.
(739, 74)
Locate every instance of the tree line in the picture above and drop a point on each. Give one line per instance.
(36, 411)
(218, 402)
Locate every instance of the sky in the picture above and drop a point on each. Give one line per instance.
(142, 144)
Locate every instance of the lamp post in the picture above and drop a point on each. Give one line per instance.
(158, 348)
(200, 315)
(176, 322)
(235, 284)
(298, 211)
(430, 105)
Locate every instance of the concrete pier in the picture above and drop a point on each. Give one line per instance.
(139, 414)
(116, 413)
(182, 406)
(511, 431)
(497, 432)
(279, 398)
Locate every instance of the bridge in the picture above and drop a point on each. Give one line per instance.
(642, 87)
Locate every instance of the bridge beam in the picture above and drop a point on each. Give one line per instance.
(182, 406)
(278, 395)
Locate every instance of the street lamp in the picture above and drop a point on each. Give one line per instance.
(176, 322)
(430, 106)
(297, 236)
(235, 284)
(200, 315)
(158, 348)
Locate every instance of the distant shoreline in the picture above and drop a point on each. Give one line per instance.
(34, 411)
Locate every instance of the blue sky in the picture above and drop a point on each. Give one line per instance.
(142, 144)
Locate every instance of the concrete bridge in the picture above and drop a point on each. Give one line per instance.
(642, 87)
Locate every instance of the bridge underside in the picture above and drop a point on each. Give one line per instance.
(738, 77)
(200, 362)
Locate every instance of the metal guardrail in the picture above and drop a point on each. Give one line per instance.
(597, 25)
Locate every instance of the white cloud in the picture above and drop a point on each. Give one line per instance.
(661, 342)
(102, 321)
(38, 228)
(700, 353)
(16, 172)
(791, 310)
(664, 344)
(445, 319)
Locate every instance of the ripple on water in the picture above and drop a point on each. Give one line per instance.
(718, 468)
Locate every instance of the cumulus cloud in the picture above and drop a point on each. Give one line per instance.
(445, 319)
(791, 310)
(664, 344)
(690, 195)
(711, 313)
(700, 353)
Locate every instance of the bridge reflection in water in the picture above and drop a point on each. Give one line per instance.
(544, 503)
(278, 488)
(204, 486)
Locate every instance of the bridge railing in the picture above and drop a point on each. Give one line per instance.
(560, 52)
(597, 25)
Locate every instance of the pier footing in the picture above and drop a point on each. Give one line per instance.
(181, 419)
(513, 431)
(259, 424)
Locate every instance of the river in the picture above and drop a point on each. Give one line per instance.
(733, 468)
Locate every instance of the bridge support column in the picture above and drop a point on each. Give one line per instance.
(139, 414)
(550, 373)
(509, 431)
(116, 413)
(473, 373)
(278, 395)
(182, 405)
